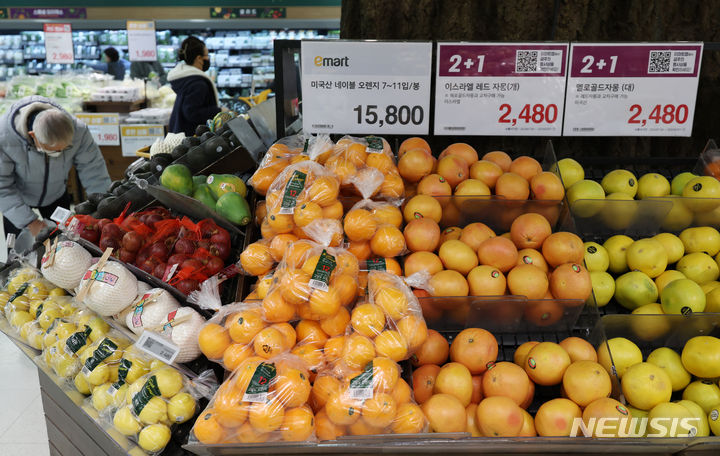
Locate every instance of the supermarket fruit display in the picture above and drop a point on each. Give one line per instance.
(666, 273)
(623, 201)
(134, 393)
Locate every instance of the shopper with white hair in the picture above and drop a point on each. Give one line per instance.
(39, 143)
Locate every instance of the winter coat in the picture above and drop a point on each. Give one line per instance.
(30, 178)
(197, 99)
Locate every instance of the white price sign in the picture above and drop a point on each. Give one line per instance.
(513, 89)
(104, 127)
(632, 89)
(362, 87)
(136, 137)
(58, 43)
(142, 44)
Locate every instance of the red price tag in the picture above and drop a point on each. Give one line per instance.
(58, 43)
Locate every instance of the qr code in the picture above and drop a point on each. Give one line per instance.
(526, 61)
(659, 62)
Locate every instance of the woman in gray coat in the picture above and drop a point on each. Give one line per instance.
(39, 143)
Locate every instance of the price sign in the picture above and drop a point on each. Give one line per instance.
(366, 87)
(58, 43)
(142, 45)
(136, 137)
(104, 127)
(500, 89)
(631, 89)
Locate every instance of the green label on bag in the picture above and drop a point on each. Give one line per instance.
(77, 341)
(19, 292)
(361, 387)
(123, 368)
(377, 264)
(375, 144)
(259, 386)
(305, 147)
(101, 353)
(149, 390)
(38, 310)
(295, 185)
(321, 275)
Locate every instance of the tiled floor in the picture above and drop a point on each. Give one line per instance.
(22, 423)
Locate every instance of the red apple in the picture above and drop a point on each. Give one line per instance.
(187, 286)
(207, 227)
(102, 222)
(149, 265)
(132, 241)
(184, 245)
(214, 265)
(177, 258)
(159, 270)
(90, 234)
(159, 250)
(151, 219)
(221, 237)
(221, 250)
(109, 242)
(203, 244)
(111, 230)
(192, 263)
(126, 255)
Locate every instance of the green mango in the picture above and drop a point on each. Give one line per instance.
(233, 207)
(204, 195)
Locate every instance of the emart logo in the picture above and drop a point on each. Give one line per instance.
(321, 61)
(635, 427)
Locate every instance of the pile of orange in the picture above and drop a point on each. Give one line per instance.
(477, 394)
(530, 260)
(264, 400)
(366, 401)
(459, 171)
(365, 167)
(389, 325)
(373, 229)
(278, 157)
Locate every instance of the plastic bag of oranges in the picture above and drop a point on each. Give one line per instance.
(313, 282)
(301, 195)
(240, 331)
(373, 229)
(157, 401)
(264, 400)
(390, 324)
(283, 153)
(369, 400)
(364, 164)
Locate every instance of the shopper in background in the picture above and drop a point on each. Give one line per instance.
(115, 67)
(148, 70)
(197, 98)
(39, 143)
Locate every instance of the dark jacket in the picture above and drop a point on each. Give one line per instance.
(196, 100)
(29, 178)
(117, 69)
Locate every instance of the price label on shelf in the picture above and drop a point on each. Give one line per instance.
(632, 89)
(142, 44)
(58, 43)
(104, 127)
(500, 89)
(363, 87)
(136, 137)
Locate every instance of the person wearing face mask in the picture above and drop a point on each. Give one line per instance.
(197, 97)
(39, 143)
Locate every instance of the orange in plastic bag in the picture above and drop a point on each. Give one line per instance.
(263, 400)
